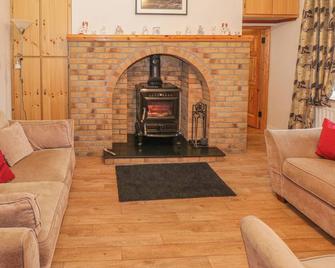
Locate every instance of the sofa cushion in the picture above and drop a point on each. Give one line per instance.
(6, 174)
(14, 144)
(52, 198)
(20, 210)
(48, 134)
(46, 165)
(316, 176)
(326, 146)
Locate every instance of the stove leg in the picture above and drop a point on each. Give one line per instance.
(177, 140)
(140, 140)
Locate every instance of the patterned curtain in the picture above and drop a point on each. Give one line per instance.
(315, 71)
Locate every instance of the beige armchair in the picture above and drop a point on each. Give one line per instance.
(265, 249)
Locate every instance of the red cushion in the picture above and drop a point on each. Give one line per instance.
(6, 174)
(326, 146)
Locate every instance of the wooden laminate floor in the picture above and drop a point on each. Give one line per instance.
(98, 231)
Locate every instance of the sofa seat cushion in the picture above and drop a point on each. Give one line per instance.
(52, 199)
(45, 165)
(316, 176)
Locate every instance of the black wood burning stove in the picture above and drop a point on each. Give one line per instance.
(157, 106)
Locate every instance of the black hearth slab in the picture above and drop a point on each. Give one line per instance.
(160, 148)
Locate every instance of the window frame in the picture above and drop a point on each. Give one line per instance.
(332, 97)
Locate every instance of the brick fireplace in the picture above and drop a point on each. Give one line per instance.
(105, 69)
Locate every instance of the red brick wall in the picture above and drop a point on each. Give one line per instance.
(103, 74)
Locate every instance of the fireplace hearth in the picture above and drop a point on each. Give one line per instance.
(157, 106)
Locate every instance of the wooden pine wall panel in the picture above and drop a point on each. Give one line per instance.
(31, 107)
(54, 27)
(55, 88)
(44, 43)
(27, 10)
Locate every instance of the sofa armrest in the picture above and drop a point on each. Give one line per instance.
(283, 144)
(49, 134)
(18, 248)
(20, 210)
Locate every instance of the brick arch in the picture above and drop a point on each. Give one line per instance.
(180, 53)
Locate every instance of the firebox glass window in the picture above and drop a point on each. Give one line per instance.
(158, 109)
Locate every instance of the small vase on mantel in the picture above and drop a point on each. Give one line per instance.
(156, 30)
(201, 30)
(118, 30)
(84, 28)
(188, 30)
(145, 30)
(102, 30)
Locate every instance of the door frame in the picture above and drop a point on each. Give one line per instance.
(263, 74)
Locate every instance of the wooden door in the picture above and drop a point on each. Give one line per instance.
(257, 7)
(286, 7)
(253, 119)
(27, 94)
(55, 87)
(258, 75)
(26, 10)
(54, 16)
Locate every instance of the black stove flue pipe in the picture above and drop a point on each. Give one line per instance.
(155, 71)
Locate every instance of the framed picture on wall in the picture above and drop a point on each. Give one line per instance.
(161, 7)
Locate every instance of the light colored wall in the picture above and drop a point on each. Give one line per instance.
(110, 13)
(284, 51)
(5, 87)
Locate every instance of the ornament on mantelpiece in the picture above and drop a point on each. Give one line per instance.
(103, 30)
(84, 28)
(201, 30)
(188, 30)
(225, 29)
(145, 30)
(118, 30)
(156, 30)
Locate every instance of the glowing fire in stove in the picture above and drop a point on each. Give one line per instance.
(160, 109)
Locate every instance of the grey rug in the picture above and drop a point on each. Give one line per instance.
(169, 181)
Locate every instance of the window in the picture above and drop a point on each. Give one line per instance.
(333, 96)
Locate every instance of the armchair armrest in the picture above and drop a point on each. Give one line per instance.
(49, 134)
(18, 248)
(20, 210)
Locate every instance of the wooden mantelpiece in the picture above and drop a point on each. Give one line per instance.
(159, 38)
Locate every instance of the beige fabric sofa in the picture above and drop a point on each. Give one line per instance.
(300, 177)
(265, 249)
(47, 174)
